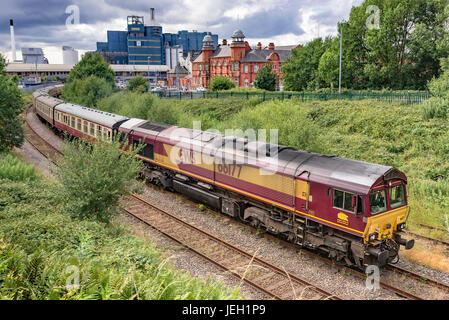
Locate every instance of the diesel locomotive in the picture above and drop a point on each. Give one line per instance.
(352, 211)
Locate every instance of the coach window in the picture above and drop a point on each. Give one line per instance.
(73, 122)
(78, 122)
(343, 200)
(92, 129)
(99, 131)
(85, 126)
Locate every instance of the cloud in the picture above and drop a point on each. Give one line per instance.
(43, 23)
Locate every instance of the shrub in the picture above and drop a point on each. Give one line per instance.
(87, 91)
(221, 83)
(13, 169)
(137, 84)
(266, 78)
(95, 176)
(435, 108)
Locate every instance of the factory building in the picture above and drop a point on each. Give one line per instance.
(69, 55)
(146, 44)
(34, 56)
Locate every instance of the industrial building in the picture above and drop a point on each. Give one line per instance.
(146, 44)
(69, 55)
(156, 74)
(34, 56)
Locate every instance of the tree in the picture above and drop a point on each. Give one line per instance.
(266, 78)
(87, 92)
(92, 65)
(221, 83)
(300, 71)
(138, 84)
(95, 177)
(11, 106)
(440, 86)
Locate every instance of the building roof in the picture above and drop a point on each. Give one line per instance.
(31, 67)
(264, 54)
(179, 70)
(32, 51)
(238, 34)
(222, 51)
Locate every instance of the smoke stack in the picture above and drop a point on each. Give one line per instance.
(271, 46)
(152, 14)
(13, 41)
(259, 46)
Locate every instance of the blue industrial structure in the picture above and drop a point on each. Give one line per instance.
(190, 41)
(145, 45)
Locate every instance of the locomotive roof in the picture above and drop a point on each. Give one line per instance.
(347, 174)
(100, 117)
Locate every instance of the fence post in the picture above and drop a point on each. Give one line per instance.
(191, 95)
(264, 96)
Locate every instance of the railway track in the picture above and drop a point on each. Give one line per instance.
(257, 272)
(260, 274)
(41, 145)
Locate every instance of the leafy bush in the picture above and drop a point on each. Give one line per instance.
(11, 106)
(95, 176)
(41, 247)
(435, 108)
(266, 78)
(137, 84)
(13, 169)
(221, 83)
(92, 65)
(87, 91)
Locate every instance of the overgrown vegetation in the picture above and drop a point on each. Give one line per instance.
(221, 83)
(11, 106)
(266, 78)
(402, 50)
(91, 80)
(138, 84)
(95, 176)
(46, 254)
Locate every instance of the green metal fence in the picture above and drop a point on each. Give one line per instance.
(406, 98)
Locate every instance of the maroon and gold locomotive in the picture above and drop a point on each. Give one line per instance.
(352, 210)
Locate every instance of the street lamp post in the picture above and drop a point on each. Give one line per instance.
(341, 50)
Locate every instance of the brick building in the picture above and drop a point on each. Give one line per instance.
(236, 61)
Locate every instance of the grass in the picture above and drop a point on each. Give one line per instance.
(43, 251)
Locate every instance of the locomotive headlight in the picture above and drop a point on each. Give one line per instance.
(401, 226)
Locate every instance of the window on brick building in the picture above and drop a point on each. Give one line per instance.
(218, 63)
(256, 68)
(236, 81)
(246, 68)
(236, 66)
(200, 66)
(246, 82)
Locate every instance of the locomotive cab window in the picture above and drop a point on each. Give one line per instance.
(378, 201)
(397, 196)
(345, 201)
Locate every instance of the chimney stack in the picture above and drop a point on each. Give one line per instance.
(225, 42)
(13, 41)
(259, 46)
(152, 14)
(271, 46)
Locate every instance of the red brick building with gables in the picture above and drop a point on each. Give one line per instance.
(236, 61)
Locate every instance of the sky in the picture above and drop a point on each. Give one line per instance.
(50, 24)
